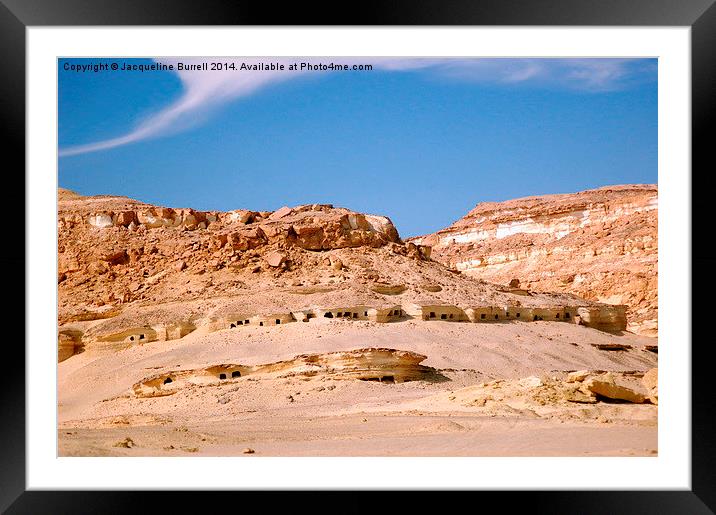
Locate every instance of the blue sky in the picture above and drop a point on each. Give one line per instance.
(421, 141)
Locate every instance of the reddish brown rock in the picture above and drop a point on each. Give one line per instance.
(309, 237)
(280, 213)
(116, 258)
(247, 239)
(275, 259)
(127, 217)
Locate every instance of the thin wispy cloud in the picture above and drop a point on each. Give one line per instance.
(204, 91)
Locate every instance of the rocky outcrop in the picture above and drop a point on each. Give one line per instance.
(605, 318)
(592, 396)
(607, 385)
(69, 343)
(311, 227)
(114, 250)
(599, 244)
(368, 364)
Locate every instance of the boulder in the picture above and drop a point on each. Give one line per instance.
(282, 234)
(247, 239)
(425, 251)
(605, 318)
(651, 383)
(101, 220)
(275, 258)
(280, 213)
(530, 382)
(127, 443)
(651, 379)
(578, 376)
(125, 218)
(574, 394)
(189, 220)
(605, 386)
(241, 215)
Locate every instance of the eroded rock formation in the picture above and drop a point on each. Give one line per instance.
(368, 364)
(120, 333)
(115, 250)
(599, 244)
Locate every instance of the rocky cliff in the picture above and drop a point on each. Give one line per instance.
(598, 244)
(131, 273)
(115, 250)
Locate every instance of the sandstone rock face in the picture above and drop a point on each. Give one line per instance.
(618, 386)
(599, 244)
(368, 364)
(606, 318)
(69, 343)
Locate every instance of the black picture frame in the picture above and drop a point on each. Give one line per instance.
(699, 15)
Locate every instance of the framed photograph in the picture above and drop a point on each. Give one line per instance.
(421, 249)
